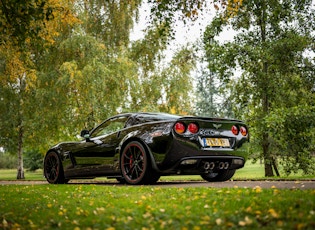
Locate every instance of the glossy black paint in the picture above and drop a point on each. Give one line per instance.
(168, 152)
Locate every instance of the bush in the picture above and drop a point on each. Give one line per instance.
(33, 160)
(7, 161)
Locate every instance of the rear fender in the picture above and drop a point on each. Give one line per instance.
(146, 147)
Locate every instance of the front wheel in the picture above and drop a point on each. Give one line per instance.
(135, 164)
(222, 175)
(53, 170)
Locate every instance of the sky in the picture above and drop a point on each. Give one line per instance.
(185, 33)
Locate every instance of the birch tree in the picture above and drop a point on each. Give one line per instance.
(26, 29)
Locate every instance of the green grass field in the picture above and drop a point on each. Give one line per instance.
(146, 207)
(111, 207)
(249, 172)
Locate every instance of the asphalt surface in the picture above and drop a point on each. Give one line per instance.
(265, 184)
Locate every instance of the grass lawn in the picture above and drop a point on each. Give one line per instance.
(110, 207)
(145, 207)
(249, 172)
(10, 174)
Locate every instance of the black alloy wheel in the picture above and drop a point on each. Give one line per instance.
(53, 170)
(134, 164)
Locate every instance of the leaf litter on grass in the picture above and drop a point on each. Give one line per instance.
(145, 207)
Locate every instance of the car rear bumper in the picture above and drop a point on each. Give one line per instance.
(186, 157)
(205, 164)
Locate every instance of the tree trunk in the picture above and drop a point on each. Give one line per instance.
(265, 139)
(265, 96)
(268, 169)
(271, 165)
(275, 166)
(265, 108)
(20, 168)
(267, 158)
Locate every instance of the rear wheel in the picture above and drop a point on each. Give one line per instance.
(53, 170)
(136, 166)
(222, 175)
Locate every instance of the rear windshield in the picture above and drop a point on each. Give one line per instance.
(144, 118)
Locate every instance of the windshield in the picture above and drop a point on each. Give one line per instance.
(110, 126)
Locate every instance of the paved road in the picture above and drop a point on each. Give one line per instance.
(186, 184)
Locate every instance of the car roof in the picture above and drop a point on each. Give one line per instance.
(158, 116)
(144, 117)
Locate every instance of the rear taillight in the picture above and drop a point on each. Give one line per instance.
(179, 128)
(193, 128)
(243, 131)
(234, 130)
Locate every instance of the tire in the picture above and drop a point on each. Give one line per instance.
(135, 165)
(121, 180)
(53, 170)
(223, 175)
(154, 177)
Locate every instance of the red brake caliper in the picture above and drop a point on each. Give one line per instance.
(130, 162)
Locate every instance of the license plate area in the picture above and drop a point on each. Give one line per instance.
(216, 142)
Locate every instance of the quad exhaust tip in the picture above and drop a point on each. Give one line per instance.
(211, 165)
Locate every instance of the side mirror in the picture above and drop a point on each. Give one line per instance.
(85, 134)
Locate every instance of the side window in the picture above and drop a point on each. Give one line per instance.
(110, 126)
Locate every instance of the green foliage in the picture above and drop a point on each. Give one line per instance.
(177, 83)
(22, 20)
(167, 13)
(293, 137)
(7, 161)
(109, 21)
(148, 51)
(165, 89)
(27, 28)
(276, 76)
(68, 65)
(166, 10)
(211, 93)
(80, 206)
(33, 160)
(86, 77)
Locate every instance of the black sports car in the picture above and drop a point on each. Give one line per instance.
(138, 148)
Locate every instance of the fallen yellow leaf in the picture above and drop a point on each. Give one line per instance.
(273, 213)
(257, 189)
(241, 223)
(218, 221)
(4, 223)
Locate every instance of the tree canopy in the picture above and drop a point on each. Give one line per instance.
(276, 78)
(68, 65)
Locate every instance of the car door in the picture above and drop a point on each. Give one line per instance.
(97, 153)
